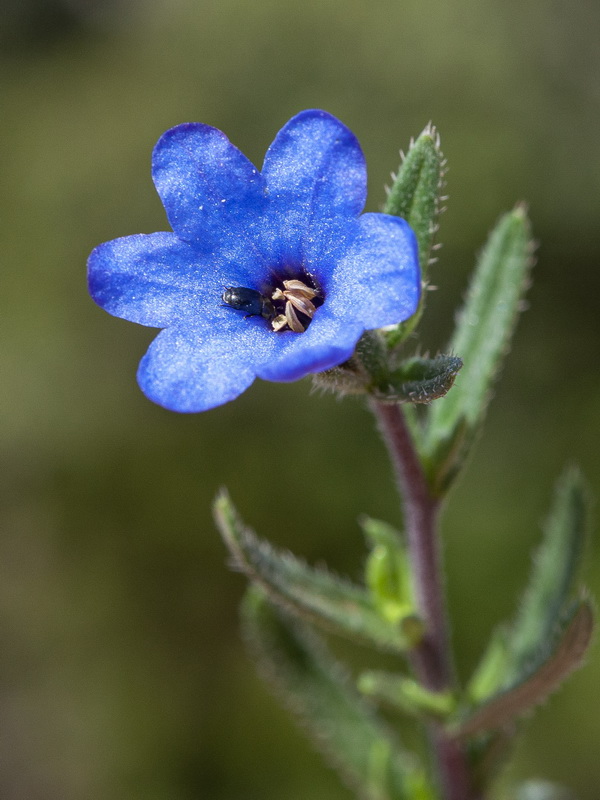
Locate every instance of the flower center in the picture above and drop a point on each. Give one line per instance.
(291, 305)
(295, 306)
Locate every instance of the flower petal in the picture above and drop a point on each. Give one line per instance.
(211, 192)
(194, 367)
(327, 342)
(316, 177)
(377, 282)
(156, 279)
(146, 278)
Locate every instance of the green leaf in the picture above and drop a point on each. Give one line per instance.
(513, 649)
(337, 605)
(317, 689)
(492, 670)
(544, 678)
(418, 380)
(405, 694)
(415, 196)
(554, 572)
(481, 339)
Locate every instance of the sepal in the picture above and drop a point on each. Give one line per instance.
(368, 364)
(376, 371)
(319, 692)
(415, 196)
(333, 603)
(347, 378)
(482, 336)
(418, 380)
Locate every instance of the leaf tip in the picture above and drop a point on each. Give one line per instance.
(431, 132)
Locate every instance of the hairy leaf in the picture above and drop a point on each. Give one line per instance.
(554, 571)
(481, 339)
(528, 692)
(333, 603)
(514, 648)
(317, 689)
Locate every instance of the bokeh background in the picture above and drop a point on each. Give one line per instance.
(122, 674)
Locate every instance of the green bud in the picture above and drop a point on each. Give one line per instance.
(415, 196)
(387, 571)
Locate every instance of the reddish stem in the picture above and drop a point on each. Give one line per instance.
(431, 660)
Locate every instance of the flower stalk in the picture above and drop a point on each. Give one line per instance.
(431, 660)
(420, 516)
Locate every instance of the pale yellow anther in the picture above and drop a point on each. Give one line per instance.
(300, 287)
(297, 296)
(292, 319)
(279, 322)
(302, 303)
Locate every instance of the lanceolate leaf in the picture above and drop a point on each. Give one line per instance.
(514, 648)
(415, 195)
(554, 572)
(545, 678)
(314, 594)
(318, 691)
(481, 340)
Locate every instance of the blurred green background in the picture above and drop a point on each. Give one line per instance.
(122, 674)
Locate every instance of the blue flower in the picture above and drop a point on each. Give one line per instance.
(318, 273)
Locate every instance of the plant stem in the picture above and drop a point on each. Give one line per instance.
(420, 518)
(431, 660)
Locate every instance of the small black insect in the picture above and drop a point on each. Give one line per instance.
(252, 302)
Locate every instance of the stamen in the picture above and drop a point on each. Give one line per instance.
(302, 304)
(279, 322)
(295, 295)
(292, 319)
(301, 288)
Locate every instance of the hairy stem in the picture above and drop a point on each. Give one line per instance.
(431, 660)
